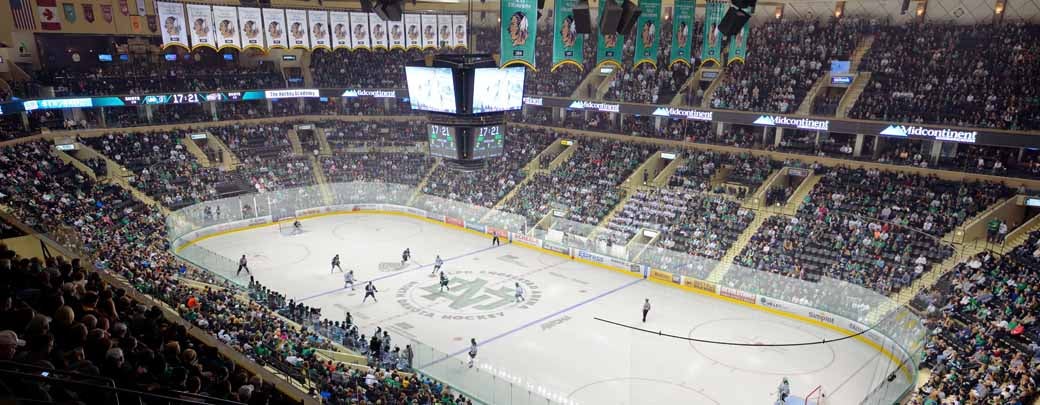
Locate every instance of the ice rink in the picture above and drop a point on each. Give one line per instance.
(553, 339)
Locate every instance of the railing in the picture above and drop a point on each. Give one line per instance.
(897, 333)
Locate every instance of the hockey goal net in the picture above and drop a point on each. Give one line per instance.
(285, 226)
(815, 397)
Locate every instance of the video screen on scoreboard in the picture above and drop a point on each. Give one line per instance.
(488, 141)
(497, 89)
(431, 89)
(442, 141)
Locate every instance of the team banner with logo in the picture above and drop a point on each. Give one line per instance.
(88, 12)
(567, 43)
(519, 30)
(711, 48)
(429, 31)
(340, 23)
(106, 13)
(738, 45)
(201, 19)
(413, 31)
(296, 20)
(396, 30)
(135, 24)
(141, 9)
(683, 12)
(608, 48)
(359, 32)
(444, 37)
(648, 27)
(250, 24)
(379, 32)
(226, 19)
(459, 35)
(274, 28)
(70, 11)
(319, 20)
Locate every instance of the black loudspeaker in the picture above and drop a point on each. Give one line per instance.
(733, 21)
(630, 13)
(389, 11)
(582, 18)
(744, 3)
(608, 22)
(366, 6)
(903, 7)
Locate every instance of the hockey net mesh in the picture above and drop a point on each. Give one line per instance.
(815, 397)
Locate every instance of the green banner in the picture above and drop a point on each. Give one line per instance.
(519, 29)
(711, 48)
(608, 47)
(682, 19)
(567, 43)
(648, 27)
(738, 45)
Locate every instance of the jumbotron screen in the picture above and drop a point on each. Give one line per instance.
(496, 90)
(431, 89)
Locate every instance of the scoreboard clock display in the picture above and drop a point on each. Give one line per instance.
(488, 141)
(442, 141)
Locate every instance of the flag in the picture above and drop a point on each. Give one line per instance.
(648, 28)
(738, 45)
(48, 15)
(106, 12)
(608, 47)
(567, 43)
(88, 12)
(711, 48)
(23, 15)
(519, 29)
(682, 29)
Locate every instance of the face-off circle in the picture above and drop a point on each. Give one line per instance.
(470, 295)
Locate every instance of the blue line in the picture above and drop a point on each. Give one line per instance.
(383, 277)
(534, 322)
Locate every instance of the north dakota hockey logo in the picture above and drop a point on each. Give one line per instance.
(469, 295)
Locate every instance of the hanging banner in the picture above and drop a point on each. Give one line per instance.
(340, 22)
(153, 23)
(738, 45)
(519, 29)
(88, 12)
(359, 32)
(296, 20)
(429, 31)
(608, 47)
(413, 29)
(711, 48)
(320, 36)
(444, 37)
(379, 32)
(647, 29)
(682, 20)
(249, 23)
(124, 8)
(458, 32)
(567, 43)
(141, 9)
(135, 24)
(106, 13)
(396, 29)
(226, 19)
(70, 11)
(274, 31)
(48, 10)
(201, 18)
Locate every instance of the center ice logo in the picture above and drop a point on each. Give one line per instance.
(470, 296)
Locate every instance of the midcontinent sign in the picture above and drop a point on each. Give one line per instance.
(683, 113)
(592, 105)
(800, 123)
(941, 134)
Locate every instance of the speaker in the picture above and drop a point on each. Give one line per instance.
(582, 18)
(744, 3)
(733, 21)
(630, 13)
(366, 6)
(608, 22)
(389, 11)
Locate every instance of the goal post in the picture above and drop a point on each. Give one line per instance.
(815, 397)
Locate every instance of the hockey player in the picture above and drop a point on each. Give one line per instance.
(297, 227)
(370, 291)
(407, 254)
(437, 263)
(444, 282)
(243, 264)
(783, 390)
(472, 351)
(348, 280)
(335, 265)
(520, 293)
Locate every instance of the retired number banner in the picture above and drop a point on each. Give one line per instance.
(396, 30)
(738, 45)
(250, 24)
(172, 17)
(711, 48)
(319, 20)
(459, 32)
(682, 26)
(226, 19)
(274, 28)
(359, 33)
(567, 43)
(519, 30)
(608, 47)
(648, 27)
(201, 19)
(340, 23)
(413, 31)
(298, 35)
(379, 31)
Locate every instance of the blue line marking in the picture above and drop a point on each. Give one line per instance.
(386, 276)
(534, 322)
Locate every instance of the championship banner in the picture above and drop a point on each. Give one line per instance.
(396, 30)
(683, 12)
(88, 12)
(459, 34)
(608, 47)
(296, 20)
(250, 24)
(429, 31)
(226, 19)
(70, 11)
(738, 45)
(319, 20)
(201, 19)
(648, 27)
(379, 31)
(567, 43)
(519, 30)
(274, 28)
(412, 28)
(359, 32)
(340, 22)
(711, 48)
(444, 37)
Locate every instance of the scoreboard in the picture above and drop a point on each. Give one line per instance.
(442, 141)
(458, 142)
(488, 141)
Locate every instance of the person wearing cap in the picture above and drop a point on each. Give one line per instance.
(9, 344)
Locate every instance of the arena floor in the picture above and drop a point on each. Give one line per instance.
(551, 342)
